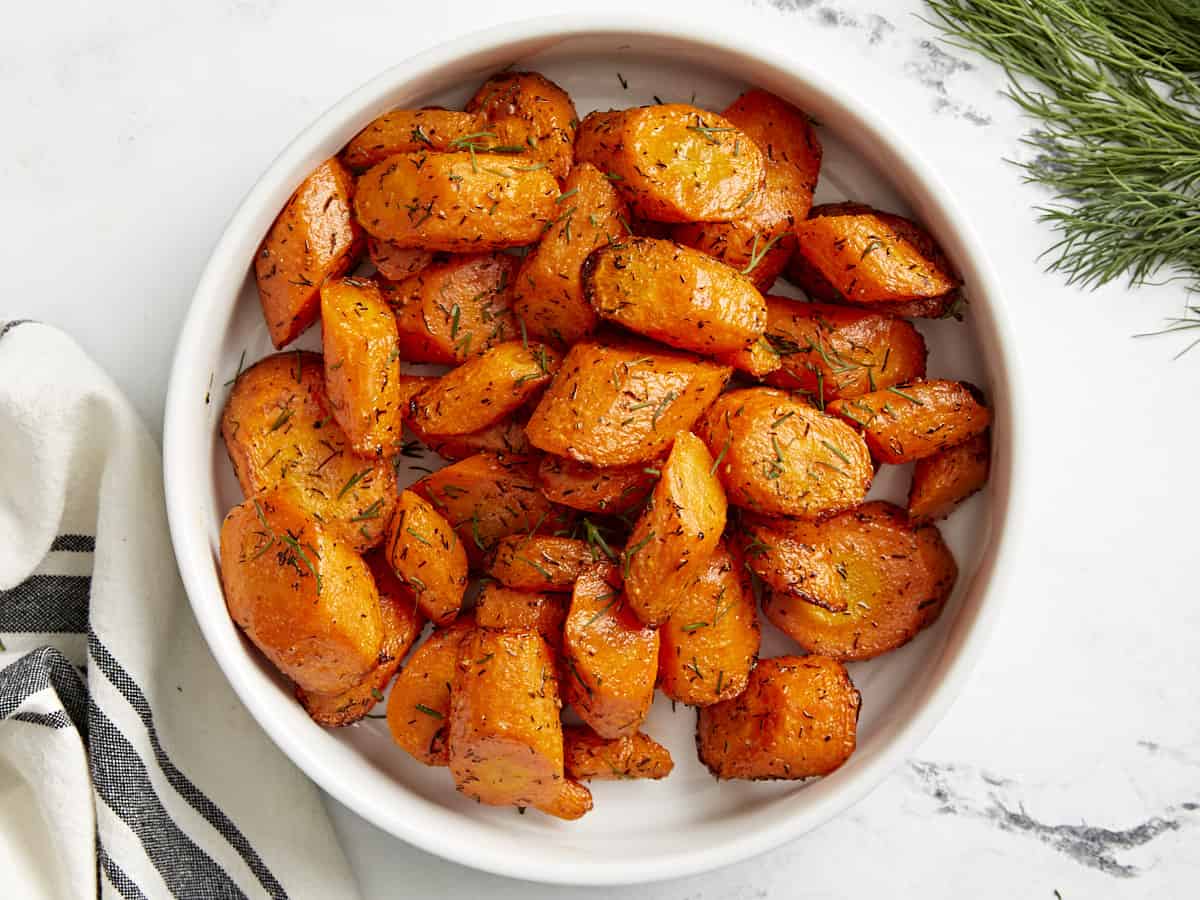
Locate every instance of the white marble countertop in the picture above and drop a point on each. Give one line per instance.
(1069, 766)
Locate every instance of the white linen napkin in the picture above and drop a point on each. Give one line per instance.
(128, 768)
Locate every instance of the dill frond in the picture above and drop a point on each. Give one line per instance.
(1115, 88)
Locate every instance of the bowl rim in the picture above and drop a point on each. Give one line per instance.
(419, 823)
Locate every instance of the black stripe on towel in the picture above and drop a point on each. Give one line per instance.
(38, 670)
(6, 327)
(57, 719)
(74, 543)
(116, 875)
(121, 780)
(192, 794)
(46, 603)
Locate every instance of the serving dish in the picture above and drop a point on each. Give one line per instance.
(688, 822)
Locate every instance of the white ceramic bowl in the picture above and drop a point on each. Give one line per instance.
(639, 831)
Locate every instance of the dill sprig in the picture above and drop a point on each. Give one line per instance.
(1115, 87)
(1189, 321)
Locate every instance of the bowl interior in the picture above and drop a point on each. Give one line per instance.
(637, 830)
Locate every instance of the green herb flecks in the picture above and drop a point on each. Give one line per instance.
(593, 536)
(908, 397)
(773, 468)
(721, 610)
(668, 398)
(371, 512)
(872, 245)
(781, 344)
(298, 551)
(612, 597)
(475, 536)
(353, 480)
(281, 420)
(757, 255)
(420, 537)
(707, 132)
(757, 547)
(536, 566)
(833, 448)
(721, 456)
(238, 373)
(633, 550)
(583, 684)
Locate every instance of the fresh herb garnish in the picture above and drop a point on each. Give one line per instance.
(756, 255)
(471, 140)
(909, 397)
(536, 566)
(668, 398)
(596, 539)
(721, 610)
(612, 597)
(708, 132)
(721, 456)
(238, 373)
(1114, 88)
(757, 546)
(632, 551)
(352, 481)
(583, 684)
(298, 551)
(371, 512)
(872, 245)
(420, 537)
(475, 531)
(833, 448)
(283, 417)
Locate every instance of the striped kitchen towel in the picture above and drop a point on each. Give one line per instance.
(128, 768)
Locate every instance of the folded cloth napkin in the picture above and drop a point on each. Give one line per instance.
(128, 768)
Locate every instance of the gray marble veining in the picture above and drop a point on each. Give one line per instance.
(930, 64)
(968, 791)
